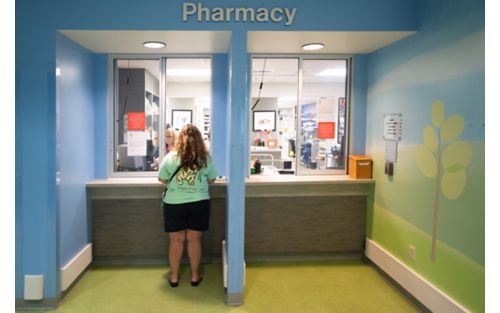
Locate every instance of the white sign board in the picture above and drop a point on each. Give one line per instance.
(391, 151)
(392, 126)
(136, 143)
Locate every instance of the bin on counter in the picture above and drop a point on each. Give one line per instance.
(360, 166)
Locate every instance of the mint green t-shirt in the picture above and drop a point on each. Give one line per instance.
(186, 186)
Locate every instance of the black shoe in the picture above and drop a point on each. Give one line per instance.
(196, 283)
(172, 284)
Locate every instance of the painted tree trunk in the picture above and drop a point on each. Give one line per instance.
(436, 201)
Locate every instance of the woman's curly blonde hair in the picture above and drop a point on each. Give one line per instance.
(191, 148)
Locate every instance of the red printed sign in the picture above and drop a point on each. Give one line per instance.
(136, 120)
(326, 130)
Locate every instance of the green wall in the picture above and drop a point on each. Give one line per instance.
(440, 67)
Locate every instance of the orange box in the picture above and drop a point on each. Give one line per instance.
(360, 166)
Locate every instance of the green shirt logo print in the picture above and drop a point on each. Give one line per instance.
(188, 176)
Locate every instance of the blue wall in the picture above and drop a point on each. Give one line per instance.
(100, 83)
(75, 135)
(358, 107)
(36, 214)
(237, 125)
(36, 26)
(443, 61)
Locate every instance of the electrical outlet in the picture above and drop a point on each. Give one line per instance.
(412, 252)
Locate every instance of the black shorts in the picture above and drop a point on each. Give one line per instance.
(191, 215)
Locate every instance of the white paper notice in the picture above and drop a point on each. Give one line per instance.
(391, 151)
(136, 143)
(324, 110)
(393, 126)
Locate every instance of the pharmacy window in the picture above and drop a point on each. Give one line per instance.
(153, 99)
(299, 115)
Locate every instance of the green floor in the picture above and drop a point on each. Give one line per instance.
(270, 287)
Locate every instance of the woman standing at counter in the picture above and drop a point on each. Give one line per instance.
(169, 146)
(187, 202)
(169, 140)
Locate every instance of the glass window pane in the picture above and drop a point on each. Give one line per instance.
(323, 116)
(188, 95)
(136, 115)
(272, 116)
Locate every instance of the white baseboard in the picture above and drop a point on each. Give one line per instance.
(429, 295)
(224, 266)
(75, 267)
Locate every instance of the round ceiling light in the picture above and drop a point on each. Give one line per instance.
(313, 46)
(154, 44)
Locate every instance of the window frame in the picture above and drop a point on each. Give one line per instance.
(349, 58)
(112, 95)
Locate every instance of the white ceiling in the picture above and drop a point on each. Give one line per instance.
(130, 41)
(198, 42)
(335, 42)
(209, 42)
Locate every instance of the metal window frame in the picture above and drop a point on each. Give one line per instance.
(112, 95)
(348, 94)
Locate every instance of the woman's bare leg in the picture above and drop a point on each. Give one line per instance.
(194, 252)
(175, 250)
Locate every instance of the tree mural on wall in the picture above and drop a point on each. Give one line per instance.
(443, 157)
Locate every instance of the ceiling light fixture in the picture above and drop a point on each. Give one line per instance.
(313, 46)
(154, 44)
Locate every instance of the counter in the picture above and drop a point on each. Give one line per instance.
(286, 216)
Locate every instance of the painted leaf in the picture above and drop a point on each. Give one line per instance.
(430, 138)
(453, 183)
(437, 113)
(426, 161)
(452, 127)
(458, 153)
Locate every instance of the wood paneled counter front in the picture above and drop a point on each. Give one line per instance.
(286, 217)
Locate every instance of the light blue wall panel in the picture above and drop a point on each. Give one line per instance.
(36, 215)
(311, 15)
(358, 110)
(445, 61)
(100, 83)
(76, 144)
(237, 123)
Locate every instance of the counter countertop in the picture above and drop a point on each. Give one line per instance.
(252, 180)
(307, 179)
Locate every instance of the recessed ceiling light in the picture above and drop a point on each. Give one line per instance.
(154, 44)
(313, 46)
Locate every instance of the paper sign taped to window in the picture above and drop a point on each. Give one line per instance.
(136, 120)
(136, 143)
(326, 130)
